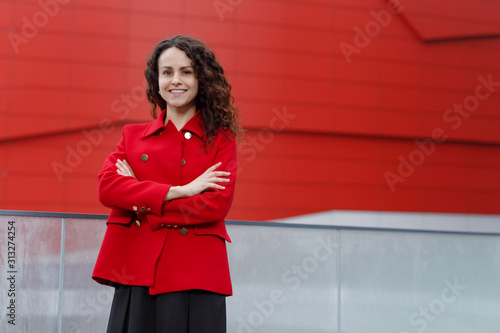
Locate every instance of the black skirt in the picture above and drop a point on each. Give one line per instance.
(192, 311)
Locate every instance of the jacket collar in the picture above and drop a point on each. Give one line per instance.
(194, 125)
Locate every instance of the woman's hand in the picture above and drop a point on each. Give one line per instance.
(124, 169)
(207, 180)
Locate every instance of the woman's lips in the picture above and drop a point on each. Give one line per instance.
(177, 92)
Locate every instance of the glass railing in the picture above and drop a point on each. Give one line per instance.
(286, 278)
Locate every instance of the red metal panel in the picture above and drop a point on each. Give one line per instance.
(100, 22)
(445, 19)
(324, 132)
(150, 28)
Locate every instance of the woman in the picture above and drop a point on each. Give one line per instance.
(170, 184)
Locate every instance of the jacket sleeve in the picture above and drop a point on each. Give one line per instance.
(127, 193)
(210, 206)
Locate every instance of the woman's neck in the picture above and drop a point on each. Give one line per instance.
(179, 117)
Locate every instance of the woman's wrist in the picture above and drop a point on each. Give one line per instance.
(175, 192)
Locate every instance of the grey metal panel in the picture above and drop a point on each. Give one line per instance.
(286, 278)
(86, 304)
(419, 282)
(35, 274)
(411, 221)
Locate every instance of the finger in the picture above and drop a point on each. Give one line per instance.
(125, 167)
(215, 166)
(124, 164)
(216, 186)
(120, 167)
(216, 183)
(123, 173)
(119, 164)
(215, 175)
(123, 170)
(221, 180)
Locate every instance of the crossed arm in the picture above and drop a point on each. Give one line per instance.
(210, 179)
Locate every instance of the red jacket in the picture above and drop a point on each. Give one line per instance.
(174, 245)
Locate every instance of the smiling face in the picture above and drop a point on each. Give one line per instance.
(177, 81)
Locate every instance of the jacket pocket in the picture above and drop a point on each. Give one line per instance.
(217, 229)
(120, 216)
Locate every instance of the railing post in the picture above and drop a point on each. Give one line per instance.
(61, 275)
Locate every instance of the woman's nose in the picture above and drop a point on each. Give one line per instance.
(176, 80)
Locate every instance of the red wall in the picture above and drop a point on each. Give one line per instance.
(331, 112)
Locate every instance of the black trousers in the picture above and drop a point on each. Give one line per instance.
(193, 311)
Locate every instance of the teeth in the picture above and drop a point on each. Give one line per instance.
(177, 91)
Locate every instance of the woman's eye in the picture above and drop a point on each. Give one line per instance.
(166, 73)
(187, 72)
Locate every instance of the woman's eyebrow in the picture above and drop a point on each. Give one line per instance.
(170, 67)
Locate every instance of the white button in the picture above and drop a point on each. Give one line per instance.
(188, 135)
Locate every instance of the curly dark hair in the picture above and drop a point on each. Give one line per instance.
(214, 98)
